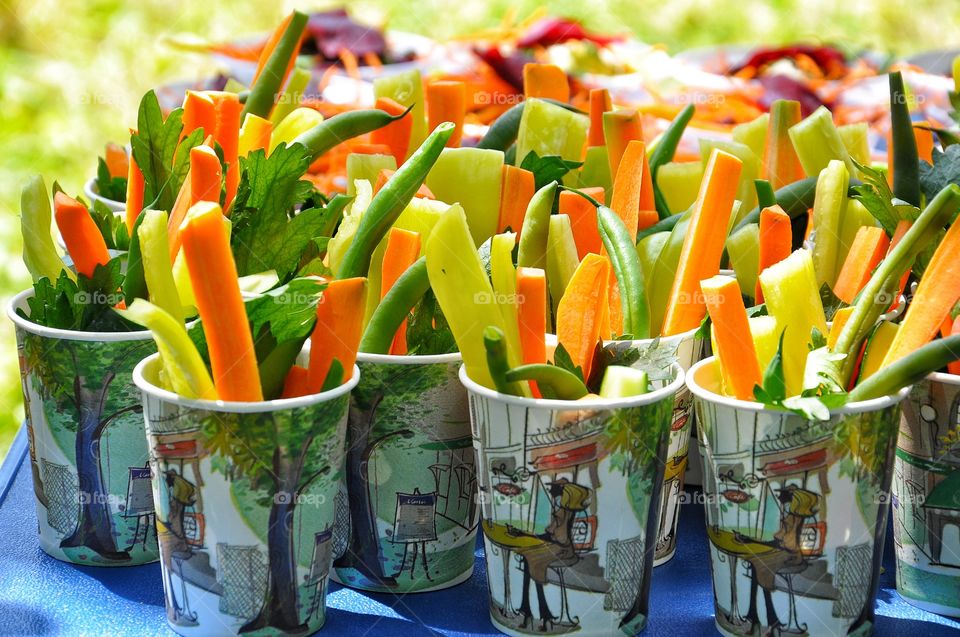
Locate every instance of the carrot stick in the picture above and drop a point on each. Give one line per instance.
(867, 250)
(531, 316)
(134, 193)
(80, 234)
(582, 309)
(924, 139)
(199, 111)
(954, 367)
(116, 159)
(614, 326)
(703, 244)
(369, 149)
(447, 102)
(254, 134)
(403, 248)
(936, 295)
(633, 190)
(731, 330)
(545, 80)
(205, 175)
(227, 108)
(213, 275)
(516, 191)
(270, 45)
(583, 219)
(599, 104)
(776, 238)
(840, 318)
(898, 234)
(336, 335)
(619, 129)
(177, 215)
(395, 135)
(296, 383)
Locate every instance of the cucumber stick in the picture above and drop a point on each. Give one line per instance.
(623, 382)
(368, 167)
(855, 140)
(562, 258)
(818, 142)
(829, 207)
(471, 177)
(743, 247)
(549, 129)
(680, 182)
(596, 170)
(753, 134)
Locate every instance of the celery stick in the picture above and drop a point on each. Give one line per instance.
(297, 122)
(406, 89)
(183, 370)
(746, 191)
(665, 271)
(856, 140)
(157, 269)
(549, 129)
(503, 276)
(291, 96)
(562, 258)
(753, 134)
(743, 247)
(622, 382)
(817, 142)
(40, 254)
(829, 208)
(649, 249)
(181, 279)
(792, 296)
(766, 338)
(471, 177)
(596, 170)
(338, 245)
(680, 183)
(368, 167)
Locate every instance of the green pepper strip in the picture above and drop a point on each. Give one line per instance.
(395, 306)
(626, 265)
(664, 152)
(906, 160)
(552, 381)
(765, 195)
(504, 130)
(909, 369)
(344, 126)
(390, 201)
(263, 93)
(532, 251)
(135, 282)
(495, 342)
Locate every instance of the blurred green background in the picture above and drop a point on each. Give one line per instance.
(72, 71)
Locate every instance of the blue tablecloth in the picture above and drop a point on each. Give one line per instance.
(40, 595)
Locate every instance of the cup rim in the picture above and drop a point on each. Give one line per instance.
(234, 406)
(89, 189)
(19, 302)
(664, 340)
(701, 392)
(405, 359)
(944, 377)
(600, 403)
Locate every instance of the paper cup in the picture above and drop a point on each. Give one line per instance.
(569, 493)
(92, 194)
(926, 502)
(409, 507)
(88, 455)
(796, 511)
(244, 498)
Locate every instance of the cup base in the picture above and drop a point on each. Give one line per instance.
(660, 561)
(399, 589)
(930, 607)
(57, 553)
(580, 631)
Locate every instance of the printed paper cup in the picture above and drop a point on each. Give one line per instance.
(796, 511)
(88, 455)
(926, 496)
(408, 512)
(92, 194)
(244, 498)
(570, 492)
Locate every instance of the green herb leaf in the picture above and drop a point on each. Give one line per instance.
(548, 168)
(85, 305)
(875, 195)
(427, 329)
(288, 312)
(774, 388)
(561, 358)
(112, 226)
(108, 186)
(944, 171)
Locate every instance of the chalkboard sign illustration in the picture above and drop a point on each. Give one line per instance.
(415, 524)
(139, 504)
(926, 487)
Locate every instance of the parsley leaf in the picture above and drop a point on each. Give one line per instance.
(108, 186)
(944, 171)
(427, 329)
(774, 387)
(290, 311)
(875, 195)
(85, 304)
(561, 358)
(548, 168)
(112, 226)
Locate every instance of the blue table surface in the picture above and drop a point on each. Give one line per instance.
(42, 596)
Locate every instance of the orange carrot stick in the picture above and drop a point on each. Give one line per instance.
(731, 330)
(936, 295)
(134, 193)
(447, 102)
(869, 246)
(396, 134)
(582, 309)
(532, 316)
(840, 318)
(199, 111)
(205, 175)
(776, 239)
(338, 329)
(583, 219)
(516, 191)
(898, 233)
(599, 104)
(116, 159)
(227, 108)
(619, 129)
(703, 244)
(545, 80)
(213, 275)
(633, 190)
(296, 383)
(80, 234)
(403, 248)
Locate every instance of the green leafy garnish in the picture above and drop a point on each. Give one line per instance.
(875, 195)
(111, 226)
(290, 310)
(773, 391)
(108, 186)
(427, 329)
(944, 171)
(561, 358)
(547, 169)
(85, 304)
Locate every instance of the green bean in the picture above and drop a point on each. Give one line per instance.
(765, 195)
(552, 381)
(908, 370)
(504, 130)
(395, 306)
(263, 93)
(344, 126)
(536, 226)
(664, 152)
(626, 265)
(495, 343)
